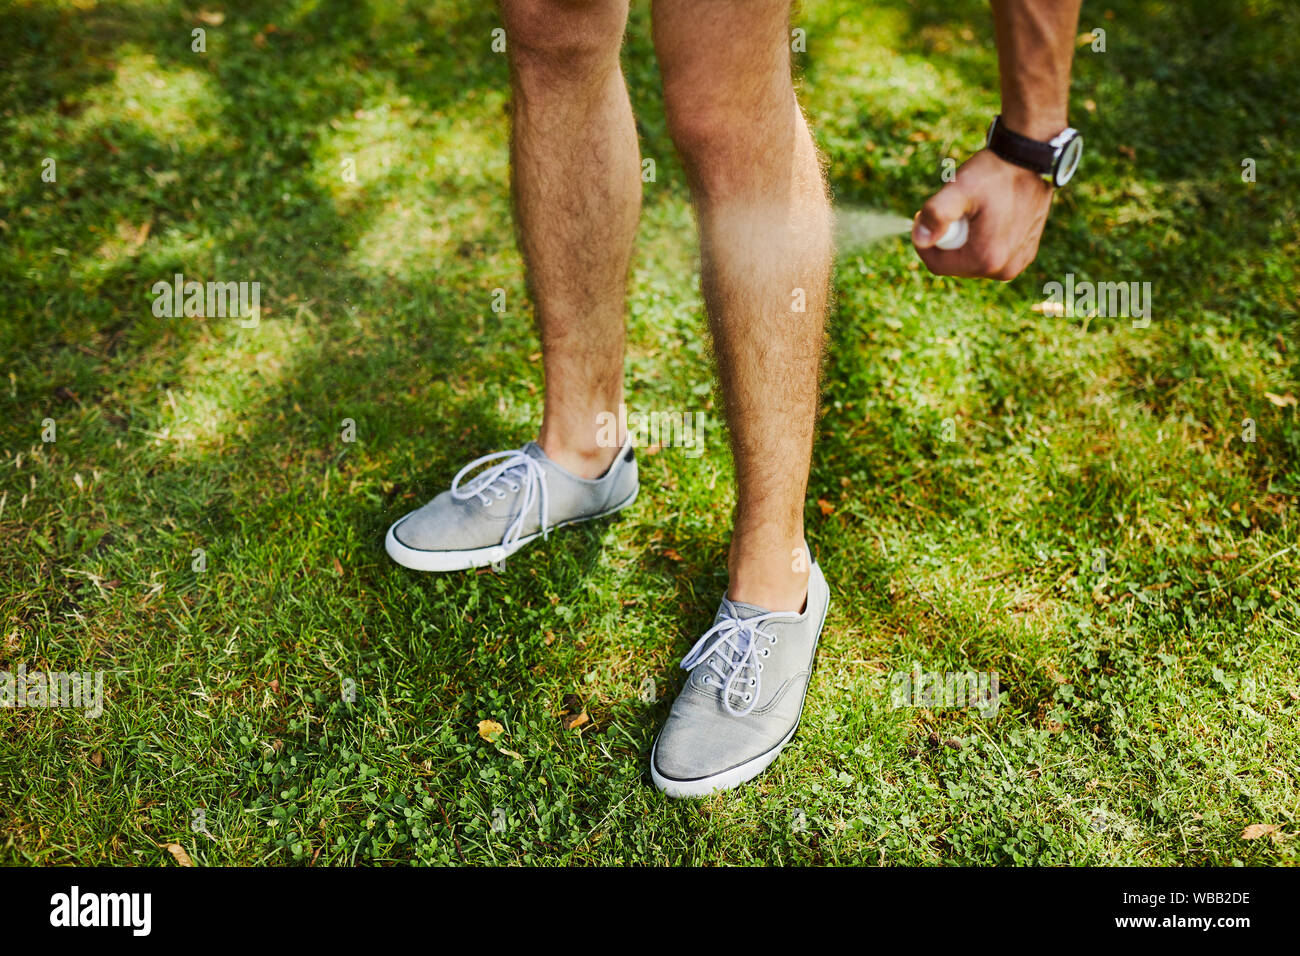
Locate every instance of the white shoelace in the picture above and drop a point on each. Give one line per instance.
(516, 470)
(733, 651)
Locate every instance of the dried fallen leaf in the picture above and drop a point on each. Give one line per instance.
(97, 759)
(490, 730)
(1257, 830)
(510, 753)
(671, 554)
(1128, 151)
(178, 851)
(1281, 401)
(1051, 307)
(338, 568)
(826, 507)
(213, 18)
(574, 721)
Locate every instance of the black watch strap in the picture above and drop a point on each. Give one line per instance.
(1021, 150)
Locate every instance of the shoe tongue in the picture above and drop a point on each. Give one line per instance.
(740, 611)
(743, 611)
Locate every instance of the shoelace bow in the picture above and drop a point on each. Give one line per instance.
(734, 650)
(517, 470)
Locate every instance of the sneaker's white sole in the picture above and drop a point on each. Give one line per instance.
(419, 560)
(742, 773)
(727, 780)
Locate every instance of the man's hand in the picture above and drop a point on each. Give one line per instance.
(1007, 209)
(1005, 204)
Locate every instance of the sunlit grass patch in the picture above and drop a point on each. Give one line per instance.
(179, 107)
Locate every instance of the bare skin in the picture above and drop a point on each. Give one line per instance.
(765, 233)
(764, 219)
(765, 240)
(577, 194)
(1006, 205)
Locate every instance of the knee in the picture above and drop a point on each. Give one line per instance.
(725, 140)
(700, 124)
(549, 41)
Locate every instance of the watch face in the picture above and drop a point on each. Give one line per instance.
(1069, 160)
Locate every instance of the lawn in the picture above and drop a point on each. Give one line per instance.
(1074, 502)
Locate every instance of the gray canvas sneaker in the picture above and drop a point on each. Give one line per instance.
(521, 497)
(742, 703)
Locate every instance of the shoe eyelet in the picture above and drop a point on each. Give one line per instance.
(764, 652)
(707, 682)
(752, 682)
(747, 697)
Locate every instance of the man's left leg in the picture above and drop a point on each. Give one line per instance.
(764, 221)
(765, 236)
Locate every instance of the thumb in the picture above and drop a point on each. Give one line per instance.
(944, 208)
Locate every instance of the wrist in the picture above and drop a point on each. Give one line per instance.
(1054, 158)
(1016, 175)
(1036, 124)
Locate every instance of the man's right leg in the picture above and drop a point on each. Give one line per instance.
(577, 194)
(577, 190)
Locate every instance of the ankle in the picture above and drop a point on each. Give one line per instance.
(773, 577)
(585, 461)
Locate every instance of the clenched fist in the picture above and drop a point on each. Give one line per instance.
(1006, 206)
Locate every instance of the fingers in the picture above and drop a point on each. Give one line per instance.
(1019, 260)
(944, 208)
(1006, 208)
(983, 256)
(978, 257)
(991, 250)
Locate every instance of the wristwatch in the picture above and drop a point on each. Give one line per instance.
(1055, 160)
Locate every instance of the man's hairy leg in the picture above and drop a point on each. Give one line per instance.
(577, 194)
(765, 233)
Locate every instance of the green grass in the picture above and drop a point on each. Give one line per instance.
(1149, 711)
